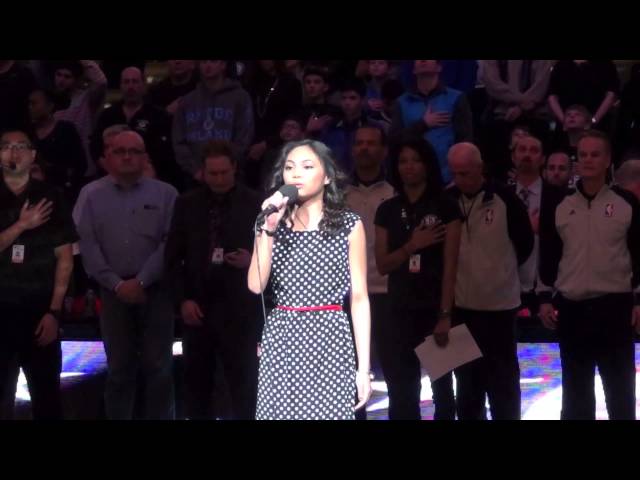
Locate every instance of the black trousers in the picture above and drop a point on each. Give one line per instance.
(530, 300)
(379, 306)
(597, 332)
(41, 365)
(233, 339)
(398, 334)
(8, 390)
(496, 374)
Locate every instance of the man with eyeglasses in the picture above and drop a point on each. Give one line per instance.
(123, 226)
(36, 261)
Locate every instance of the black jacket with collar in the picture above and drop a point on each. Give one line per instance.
(187, 250)
(548, 195)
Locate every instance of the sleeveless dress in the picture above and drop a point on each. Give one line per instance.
(307, 364)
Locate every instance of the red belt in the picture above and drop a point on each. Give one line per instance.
(311, 309)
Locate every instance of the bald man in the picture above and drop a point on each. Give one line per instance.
(558, 169)
(123, 227)
(628, 176)
(496, 239)
(153, 124)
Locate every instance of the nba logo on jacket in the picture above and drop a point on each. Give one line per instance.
(608, 210)
(488, 217)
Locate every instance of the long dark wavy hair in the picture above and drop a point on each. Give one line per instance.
(333, 198)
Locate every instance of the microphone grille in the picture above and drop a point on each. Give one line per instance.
(289, 191)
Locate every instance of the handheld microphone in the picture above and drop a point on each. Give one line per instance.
(289, 191)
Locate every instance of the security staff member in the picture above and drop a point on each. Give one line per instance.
(417, 240)
(36, 260)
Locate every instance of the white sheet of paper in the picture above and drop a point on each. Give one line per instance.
(461, 349)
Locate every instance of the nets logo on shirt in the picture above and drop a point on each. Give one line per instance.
(429, 220)
(142, 125)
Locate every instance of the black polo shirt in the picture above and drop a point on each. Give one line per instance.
(32, 281)
(399, 217)
(153, 125)
(163, 93)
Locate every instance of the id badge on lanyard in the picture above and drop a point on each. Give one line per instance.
(414, 263)
(217, 257)
(414, 260)
(17, 254)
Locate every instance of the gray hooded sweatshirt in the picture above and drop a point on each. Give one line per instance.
(205, 115)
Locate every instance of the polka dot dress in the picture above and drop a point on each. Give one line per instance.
(307, 365)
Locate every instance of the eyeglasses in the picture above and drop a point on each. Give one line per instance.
(130, 151)
(20, 147)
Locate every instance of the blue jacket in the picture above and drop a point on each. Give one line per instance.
(459, 74)
(411, 107)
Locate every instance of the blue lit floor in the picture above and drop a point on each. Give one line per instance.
(539, 365)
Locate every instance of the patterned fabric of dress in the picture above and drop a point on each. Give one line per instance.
(307, 365)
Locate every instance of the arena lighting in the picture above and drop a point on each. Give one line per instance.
(539, 364)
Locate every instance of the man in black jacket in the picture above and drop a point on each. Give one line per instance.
(535, 193)
(207, 255)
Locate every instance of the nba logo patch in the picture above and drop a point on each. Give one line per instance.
(488, 217)
(608, 210)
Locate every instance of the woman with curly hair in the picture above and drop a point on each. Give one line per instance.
(313, 253)
(417, 244)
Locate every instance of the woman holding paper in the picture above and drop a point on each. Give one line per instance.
(417, 242)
